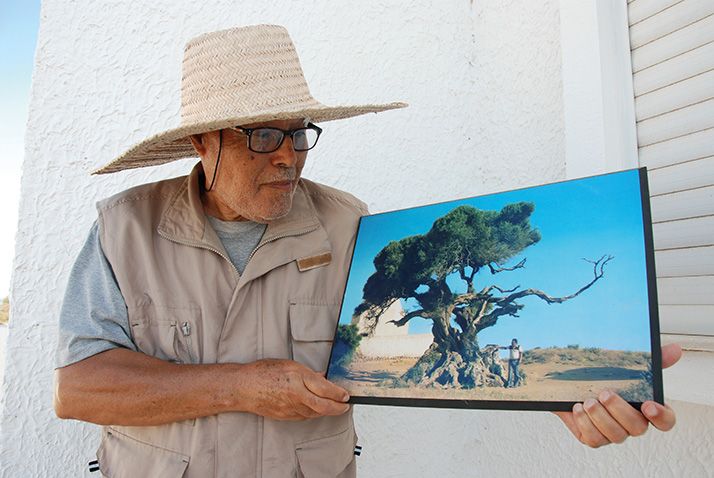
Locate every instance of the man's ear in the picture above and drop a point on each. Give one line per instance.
(198, 142)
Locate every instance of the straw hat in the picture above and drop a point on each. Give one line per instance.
(233, 77)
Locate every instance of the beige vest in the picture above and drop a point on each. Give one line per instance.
(187, 303)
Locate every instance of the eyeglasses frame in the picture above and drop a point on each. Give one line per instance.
(286, 132)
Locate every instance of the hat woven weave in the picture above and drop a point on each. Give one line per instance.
(234, 77)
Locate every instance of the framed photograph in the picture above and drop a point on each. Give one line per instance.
(532, 299)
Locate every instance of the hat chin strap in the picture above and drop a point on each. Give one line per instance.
(218, 158)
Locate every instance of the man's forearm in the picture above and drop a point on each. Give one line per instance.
(122, 387)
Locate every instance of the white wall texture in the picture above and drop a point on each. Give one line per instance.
(484, 82)
(413, 345)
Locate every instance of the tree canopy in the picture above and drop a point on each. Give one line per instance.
(464, 240)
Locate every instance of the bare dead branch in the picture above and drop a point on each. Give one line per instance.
(505, 291)
(495, 269)
(488, 320)
(373, 313)
(403, 321)
(462, 273)
(598, 270)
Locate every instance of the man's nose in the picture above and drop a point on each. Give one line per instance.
(285, 156)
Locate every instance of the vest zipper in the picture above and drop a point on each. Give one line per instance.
(275, 238)
(201, 246)
(186, 331)
(208, 248)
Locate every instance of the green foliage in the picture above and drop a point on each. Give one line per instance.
(465, 237)
(346, 342)
(349, 335)
(574, 346)
(5, 311)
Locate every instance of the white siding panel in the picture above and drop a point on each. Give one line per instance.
(687, 120)
(669, 20)
(684, 204)
(680, 68)
(693, 261)
(698, 231)
(686, 290)
(673, 79)
(676, 43)
(638, 11)
(683, 319)
(678, 150)
(680, 177)
(679, 95)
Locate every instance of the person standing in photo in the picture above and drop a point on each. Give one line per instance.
(515, 352)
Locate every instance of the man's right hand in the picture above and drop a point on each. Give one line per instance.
(123, 387)
(288, 390)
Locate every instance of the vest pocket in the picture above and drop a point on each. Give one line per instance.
(330, 456)
(166, 333)
(121, 456)
(312, 329)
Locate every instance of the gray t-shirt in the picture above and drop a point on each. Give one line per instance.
(239, 238)
(94, 316)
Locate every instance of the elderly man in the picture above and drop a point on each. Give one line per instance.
(199, 314)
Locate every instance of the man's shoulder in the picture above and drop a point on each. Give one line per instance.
(321, 193)
(156, 191)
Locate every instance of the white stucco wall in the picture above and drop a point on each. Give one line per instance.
(413, 345)
(484, 82)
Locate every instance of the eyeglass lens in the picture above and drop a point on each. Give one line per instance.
(269, 139)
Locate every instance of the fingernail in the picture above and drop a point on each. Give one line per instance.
(345, 397)
(589, 404)
(578, 407)
(650, 410)
(605, 396)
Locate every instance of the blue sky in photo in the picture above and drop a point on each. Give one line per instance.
(585, 218)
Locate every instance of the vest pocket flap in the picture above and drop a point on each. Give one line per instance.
(312, 328)
(328, 456)
(167, 333)
(121, 456)
(310, 322)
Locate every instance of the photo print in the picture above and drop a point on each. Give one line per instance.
(532, 299)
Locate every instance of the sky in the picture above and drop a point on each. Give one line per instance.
(19, 20)
(577, 219)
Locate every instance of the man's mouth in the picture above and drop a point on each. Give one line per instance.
(280, 185)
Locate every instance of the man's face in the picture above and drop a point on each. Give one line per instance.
(249, 185)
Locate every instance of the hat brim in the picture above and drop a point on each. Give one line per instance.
(173, 144)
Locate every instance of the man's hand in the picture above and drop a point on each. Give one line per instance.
(287, 390)
(146, 391)
(610, 419)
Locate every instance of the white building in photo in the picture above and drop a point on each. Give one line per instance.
(502, 94)
(389, 340)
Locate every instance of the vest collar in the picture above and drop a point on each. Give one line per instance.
(184, 221)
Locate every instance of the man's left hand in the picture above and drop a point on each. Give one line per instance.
(610, 419)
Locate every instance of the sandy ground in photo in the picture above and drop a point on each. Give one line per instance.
(545, 381)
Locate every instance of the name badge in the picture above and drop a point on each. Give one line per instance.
(307, 263)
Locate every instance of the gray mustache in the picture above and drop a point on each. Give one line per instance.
(289, 176)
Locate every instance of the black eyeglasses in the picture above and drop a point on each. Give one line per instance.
(267, 139)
